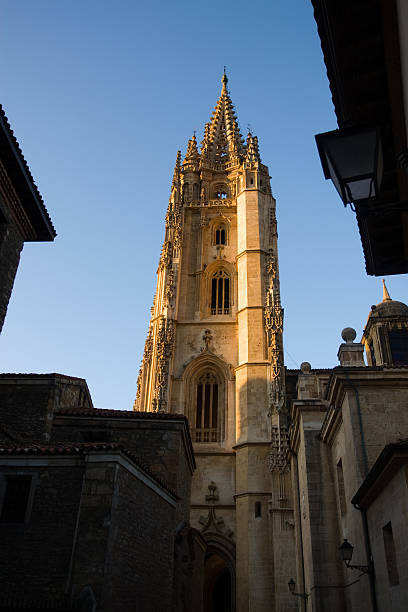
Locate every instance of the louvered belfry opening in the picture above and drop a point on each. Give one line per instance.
(220, 293)
(207, 421)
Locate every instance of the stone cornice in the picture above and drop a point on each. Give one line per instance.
(342, 379)
(300, 406)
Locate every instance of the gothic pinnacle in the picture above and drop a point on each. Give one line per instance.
(252, 149)
(177, 168)
(192, 154)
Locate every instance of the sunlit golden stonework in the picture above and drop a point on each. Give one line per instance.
(214, 346)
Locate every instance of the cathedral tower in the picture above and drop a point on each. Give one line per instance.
(214, 352)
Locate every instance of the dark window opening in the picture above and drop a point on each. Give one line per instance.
(390, 555)
(398, 339)
(220, 236)
(252, 181)
(258, 509)
(220, 293)
(372, 354)
(206, 423)
(15, 499)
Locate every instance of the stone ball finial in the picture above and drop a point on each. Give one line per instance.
(305, 367)
(348, 334)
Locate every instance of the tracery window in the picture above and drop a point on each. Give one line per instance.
(220, 293)
(206, 417)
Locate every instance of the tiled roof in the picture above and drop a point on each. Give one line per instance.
(42, 217)
(77, 448)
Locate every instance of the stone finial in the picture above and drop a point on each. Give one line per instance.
(224, 79)
(307, 382)
(349, 334)
(386, 295)
(305, 367)
(212, 496)
(350, 353)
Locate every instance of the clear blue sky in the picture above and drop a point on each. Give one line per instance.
(101, 95)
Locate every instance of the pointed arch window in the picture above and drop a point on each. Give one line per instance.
(220, 293)
(207, 406)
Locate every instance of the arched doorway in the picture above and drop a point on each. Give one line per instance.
(219, 578)
(217, 585)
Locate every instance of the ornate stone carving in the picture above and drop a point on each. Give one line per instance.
(166, 255)
(212, 522)
(277, 457)
(148, 348)
(207, 337)
(169, 292)
(164, 349)
(177, 230)
(139, 387)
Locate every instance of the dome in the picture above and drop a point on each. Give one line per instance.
(389, 308)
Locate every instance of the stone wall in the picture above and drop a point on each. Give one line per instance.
(161, 445)
(28, 402)
(35, 556)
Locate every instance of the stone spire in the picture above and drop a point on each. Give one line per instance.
(192, 155)
(252, 149)
(177, 169)
(386, 295)
(222, 138)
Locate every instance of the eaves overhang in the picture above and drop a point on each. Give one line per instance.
(23, 183)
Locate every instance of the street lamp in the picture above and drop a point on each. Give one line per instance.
(346, 550)
(352, 158)
(292, 586)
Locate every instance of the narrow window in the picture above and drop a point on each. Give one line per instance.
(220, 293)
(342, 493)
(15, 499)
(398, 339)
(206, 425)
(372, 354)
(258, 509)
(390, 556)
(220, 235)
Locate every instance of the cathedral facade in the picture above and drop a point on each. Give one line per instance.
(290, 464)
(214, 354)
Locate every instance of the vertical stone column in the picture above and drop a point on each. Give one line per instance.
(254, 562)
